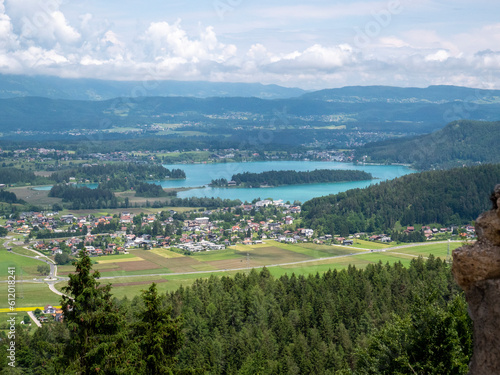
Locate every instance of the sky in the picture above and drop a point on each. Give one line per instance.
(312, 44)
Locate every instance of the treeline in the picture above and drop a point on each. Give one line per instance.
(10, 175)
(385, 319)
(450, 197)
(460, 142)
(102, 172)
(278, 178)
(141, 188)
(9, 197)
(84, 197)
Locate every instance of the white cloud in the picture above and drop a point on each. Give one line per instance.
(41, 22)
(440, 56)
(34, 39)
(8, 39)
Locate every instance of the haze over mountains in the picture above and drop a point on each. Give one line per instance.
(12, 86)
(51, 104)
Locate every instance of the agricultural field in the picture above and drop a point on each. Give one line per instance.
(131, 273)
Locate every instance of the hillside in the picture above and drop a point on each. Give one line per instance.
(458, 143)
(227, 115)
(431, 94)
(455, 196)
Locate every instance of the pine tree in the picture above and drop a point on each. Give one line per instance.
(158, 335)
(95, 323)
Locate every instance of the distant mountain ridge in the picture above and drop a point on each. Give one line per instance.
(12, 86)
(388, 94)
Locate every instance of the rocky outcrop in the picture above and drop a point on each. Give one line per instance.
(476, 269)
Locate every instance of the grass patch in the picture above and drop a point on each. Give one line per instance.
(437, 249)
(32, 294)
(208, 256)
(120, 260)
(166, 253)
(26, 268)
(318, 251)
(370, 244)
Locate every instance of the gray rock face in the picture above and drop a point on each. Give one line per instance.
(484, 309)
(476, 269)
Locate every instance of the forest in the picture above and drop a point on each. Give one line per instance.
(9, 175)
(94, 173)
(451, 197)
(9, 197)
(460, 142)
(84, 197)
(102, 172)
(291, 177)
(384, 319)
(142, 189)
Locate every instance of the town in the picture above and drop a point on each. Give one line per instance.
(55, 234)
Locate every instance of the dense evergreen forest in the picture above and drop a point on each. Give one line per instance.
(103, 172)
(460, 142)
(8, 197)
(9, 175)
(278, 178)
(80, 198)
(94, 173)
(456, 196)
(84, 197)
(142, 189)
(385, 319)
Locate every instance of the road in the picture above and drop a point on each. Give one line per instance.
(33, 317)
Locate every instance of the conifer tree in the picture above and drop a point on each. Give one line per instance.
(95, 323)
(158, 335)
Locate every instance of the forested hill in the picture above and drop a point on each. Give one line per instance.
(278, 178)
(455, 196)
(460, 142)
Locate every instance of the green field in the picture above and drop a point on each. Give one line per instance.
(25, 267)
(370, 244)
(170, 269)
(30, 294)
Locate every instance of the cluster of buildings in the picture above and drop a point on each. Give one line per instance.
(126, 231)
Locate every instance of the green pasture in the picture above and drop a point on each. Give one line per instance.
(25, 268)
(30, 294)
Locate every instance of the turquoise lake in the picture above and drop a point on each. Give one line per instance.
(200, 175)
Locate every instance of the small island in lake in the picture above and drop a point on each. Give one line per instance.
(280, 178)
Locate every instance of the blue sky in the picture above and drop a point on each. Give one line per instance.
(313, 45)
